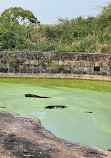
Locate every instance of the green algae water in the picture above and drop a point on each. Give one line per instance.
(85, 120)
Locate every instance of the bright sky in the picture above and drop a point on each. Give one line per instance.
(48, 11)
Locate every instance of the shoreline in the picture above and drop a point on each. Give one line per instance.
(15, 141)
(56, 76)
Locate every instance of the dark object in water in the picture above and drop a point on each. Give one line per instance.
(34, 96)
(2, 107)
(55, 107)
(109, 149)
(88, 112)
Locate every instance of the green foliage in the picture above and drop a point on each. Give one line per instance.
(92, 34)
(12, 63)
(8, 40)
(46, 46)
(14, 31)
(18, 15)
(49, 62)
(60, 67)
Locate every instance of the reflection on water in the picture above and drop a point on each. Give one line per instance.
(87, 118)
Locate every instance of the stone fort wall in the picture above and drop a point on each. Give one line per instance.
(61, 63)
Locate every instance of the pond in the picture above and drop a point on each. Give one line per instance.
(85, 116)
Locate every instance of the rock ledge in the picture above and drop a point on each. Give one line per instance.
(24, 137)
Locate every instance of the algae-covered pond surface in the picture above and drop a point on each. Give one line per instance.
(85, 120)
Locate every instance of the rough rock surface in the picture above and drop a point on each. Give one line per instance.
(37, 63)
(24, 137)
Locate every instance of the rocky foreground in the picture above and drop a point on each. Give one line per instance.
(24, 137)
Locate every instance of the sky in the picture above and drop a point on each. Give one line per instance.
(48, 11)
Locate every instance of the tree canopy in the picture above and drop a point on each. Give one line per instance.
(18, 15)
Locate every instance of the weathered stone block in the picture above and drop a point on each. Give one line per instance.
(109, 64)
(67, 67)
(103, 69)
(4, 70)
(61, 62)
(74, 68)
(89, 69)
(89, 63)
(97, 63)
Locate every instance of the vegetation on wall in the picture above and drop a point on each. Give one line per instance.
(20, 30)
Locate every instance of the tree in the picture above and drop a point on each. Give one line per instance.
(15, 27)
(18, 15)
(104, 18)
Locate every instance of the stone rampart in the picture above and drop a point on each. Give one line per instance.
(62, 63)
